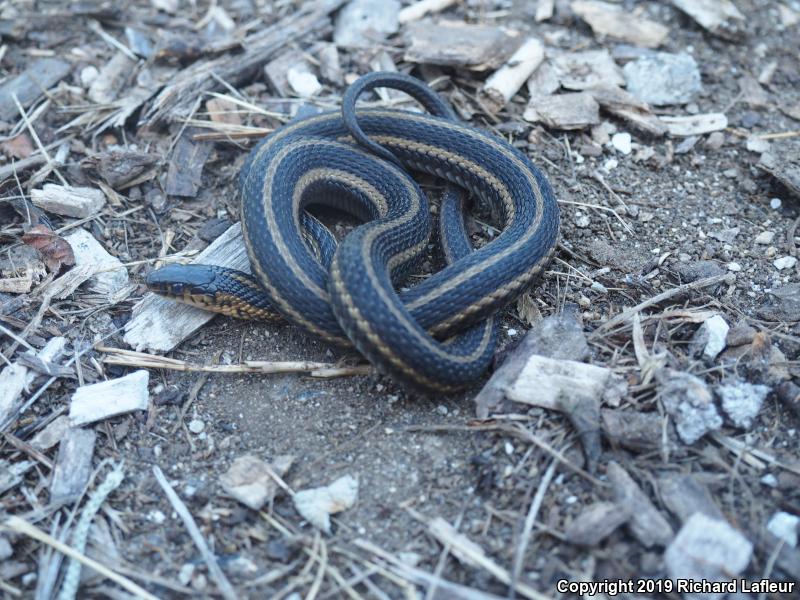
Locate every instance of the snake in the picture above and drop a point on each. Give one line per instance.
(436, 336)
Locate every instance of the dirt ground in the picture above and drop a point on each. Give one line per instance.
(420, 458)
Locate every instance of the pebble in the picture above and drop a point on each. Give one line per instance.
(707, 549)
(784, 262)
(622, 142)
(362, 21)
(610, 164)
(741, 401)
(582, 221)
(731, 173)
(775, 203)
(756, 144)
(765, 237)
(769, 480)
(784, 526)
(196, 426)
(750, 119)
(442, 409)
(715, 140)
(710, 337)
(690, 404)
(734, 266)
(661, 78)
(88, 75)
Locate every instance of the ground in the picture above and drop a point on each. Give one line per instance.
(418, 458)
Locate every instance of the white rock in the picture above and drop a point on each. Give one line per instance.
(785, 526)
(622, 142)
(304, 83)
(712, 335)
(707, 549)
(363, 23)
(765, 238)
(316, 505)
(196, 426)
(249, 479)
(757, 145)
(784, 262)
(690, 403)
(741, 401)
(106, 399)
(734, 266)
(775, 203)
(610, 164)
(88, 75)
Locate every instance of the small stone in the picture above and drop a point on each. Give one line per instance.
(610, 164)
(622, 142)
(750, 119)
(690, 403)
(734, 266)
(661, 78)
(785, 526)
(363, 23)
(88, 75)
(769, 480)
(707, 549)
(741, 401)
(441, 409)
(196, 426)
(582, 221)
(692, 271)
(784, 262)
(756, 144)
(765, 238)
(710, 337)
(732, 173)
(715, 140)
(775, 203)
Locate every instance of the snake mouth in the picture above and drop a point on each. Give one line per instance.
(177, 281)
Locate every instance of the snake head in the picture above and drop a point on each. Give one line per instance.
(180, 281)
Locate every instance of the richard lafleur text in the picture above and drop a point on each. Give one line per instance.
(613, 587)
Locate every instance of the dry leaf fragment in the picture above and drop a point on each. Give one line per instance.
(318, 504)
(55, 250)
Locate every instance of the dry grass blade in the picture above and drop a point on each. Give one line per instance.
(130, 358)
(21, 526)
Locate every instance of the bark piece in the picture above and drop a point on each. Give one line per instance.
(614, 21)
(73, 465)
(476, 47)
(646, 524)
(507, 81)
(596, 522)
(41, 75)
(720, 17)
(110, 398)
(684, 126)
(77, 202)
(564, 111)
(185, 175)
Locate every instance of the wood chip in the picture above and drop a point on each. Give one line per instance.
(685, 126)
(564, 111)
(107, 277)
(614, 21)
(107, 399)
(28, 86)
(416, 11)
(476, 47)
(720, 17)
(52, 434)
(501, 86)
(16, 378)
(646, 523)
(185, 175)
(590, 68)
(159, 324)
(73, 465)
(77, 202)
(627, 107)
(108, 84)
(596, 523)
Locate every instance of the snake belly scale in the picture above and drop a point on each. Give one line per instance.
(437, 335)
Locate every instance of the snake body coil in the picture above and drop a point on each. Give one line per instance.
(439, 334)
